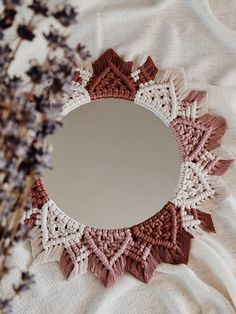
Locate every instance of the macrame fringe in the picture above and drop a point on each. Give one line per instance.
(218, 127)
(179, 255)
(39, 195)
(110, 56)
(36, 241)
(148, 69)
(76, 100)
(195, 104)
(206, 221)
(39, 253)
(202, 107)
(138, 61)
(194, 95)
(229, 140)
(66, 264)
(229, 179)
(219, 196)
(76, 77)
(51, 254)
(142, 271)
(179, 79)
(107, 276)
(221, 167)
(31, 220)
(87, 66)
(225, 161)
(79, 269)
(71, 270)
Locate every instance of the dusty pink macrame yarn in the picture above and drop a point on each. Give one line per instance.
(166, 236)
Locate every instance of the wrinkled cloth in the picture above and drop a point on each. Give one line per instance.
(183, 33)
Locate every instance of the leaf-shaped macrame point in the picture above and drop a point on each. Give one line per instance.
(111, 78)
(66, 264)
(161, 228)
(142, 270)
(178, 254)
(170, 242)
(74, 260)
(197, 135)
(76, 77)
(31, 220)
(220, 167)
(148, 71)
(194, 186)
(194, 95)
(217, 127)
(106, 259)
(206, 221)
(106, 274)
(39, 194)
(108, 57)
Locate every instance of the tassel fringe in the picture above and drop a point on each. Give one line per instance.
(177, 76)
(179, 255)
(221, 167)
(107, 276)
(110, 56)
(194, 95)
(206, 221)
(219, 196)
(218, 127)
(144, 271)
(148, 71)
(195, 104)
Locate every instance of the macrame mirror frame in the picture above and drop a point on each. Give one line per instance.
(166, 236)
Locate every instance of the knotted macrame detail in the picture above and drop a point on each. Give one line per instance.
(166, 236)
(198, 138)
(160, 91)
(107, 253)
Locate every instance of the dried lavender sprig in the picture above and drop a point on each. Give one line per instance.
(27, 119)
(25, 283)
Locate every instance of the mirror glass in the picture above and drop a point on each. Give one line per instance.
(115, 164)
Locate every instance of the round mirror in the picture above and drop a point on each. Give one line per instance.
(115, 164)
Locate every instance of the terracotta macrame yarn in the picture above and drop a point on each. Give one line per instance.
(166, 236)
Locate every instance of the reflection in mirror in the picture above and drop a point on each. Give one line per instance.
(115, 164)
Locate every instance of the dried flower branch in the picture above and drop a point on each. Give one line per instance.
(27, 117)
(25, 283)
(66, 15)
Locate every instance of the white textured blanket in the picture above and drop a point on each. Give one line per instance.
(175, 33)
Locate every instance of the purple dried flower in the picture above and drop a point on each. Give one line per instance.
(5, 57)
(39, 8)
(1, 34)
(28, 114)
(27, 280)
(5, 306)
(8, 18)
(23, 232)
(35, 73)
(84, 54)
(57, 85)
(12, 83)
(55, 39)
(26, 276)
(49, 127)
(42, 104)
(66, 16)
(65, 69)
(25, 32)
